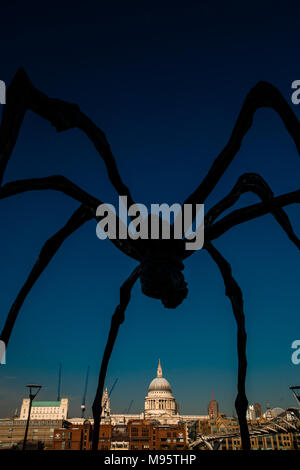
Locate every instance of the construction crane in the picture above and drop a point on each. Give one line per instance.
(84, 393)
(59, 382)
(113, 386)
(129, 408)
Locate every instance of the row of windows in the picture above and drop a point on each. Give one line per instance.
(64, 435)
(45, 412)
(164, 439)
(44, 417)
(268, 441)
(66, 445)
(41, 422)
(145, 447)
(135, 431)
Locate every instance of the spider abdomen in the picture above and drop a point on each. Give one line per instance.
(161, 278)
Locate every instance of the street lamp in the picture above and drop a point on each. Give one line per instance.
(33, 391)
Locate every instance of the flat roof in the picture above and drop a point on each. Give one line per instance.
(46, 403)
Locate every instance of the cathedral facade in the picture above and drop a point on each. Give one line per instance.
(160, 405)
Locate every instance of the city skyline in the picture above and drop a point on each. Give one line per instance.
(75, 410)
(165, 85)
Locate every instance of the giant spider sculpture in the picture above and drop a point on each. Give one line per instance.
(160, 262)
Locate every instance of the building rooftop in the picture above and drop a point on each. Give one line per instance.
(46, 403)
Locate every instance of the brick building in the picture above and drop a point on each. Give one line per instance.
(141, 434)
(146, 435)
(79, 437)
(136, 435)
(279, 441)
(173, 438)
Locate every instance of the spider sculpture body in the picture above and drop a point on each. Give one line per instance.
(160, 262)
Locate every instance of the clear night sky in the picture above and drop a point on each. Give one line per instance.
(165, 83)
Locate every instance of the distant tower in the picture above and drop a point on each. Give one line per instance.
(268, 413)
(105, 404)
(251, 415)
(258, 411)
(213, 408)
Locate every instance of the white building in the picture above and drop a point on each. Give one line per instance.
(45, 409)
(251, 413)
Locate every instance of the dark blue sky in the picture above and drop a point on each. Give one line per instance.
(165, 83)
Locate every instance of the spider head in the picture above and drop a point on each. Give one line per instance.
(161, 278)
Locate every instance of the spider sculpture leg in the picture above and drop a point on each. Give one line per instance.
(48, 251)
(252, 182)
(62, 184)
(56, 183)
(252, 212)
(234, 293)
(23, 96)
(256, 184)
(262, 95)
(117, 319)
(85, 212)
(20, 94)
(80, 216)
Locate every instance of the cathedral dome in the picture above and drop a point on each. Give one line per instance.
(159, 384)
(160, 401)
